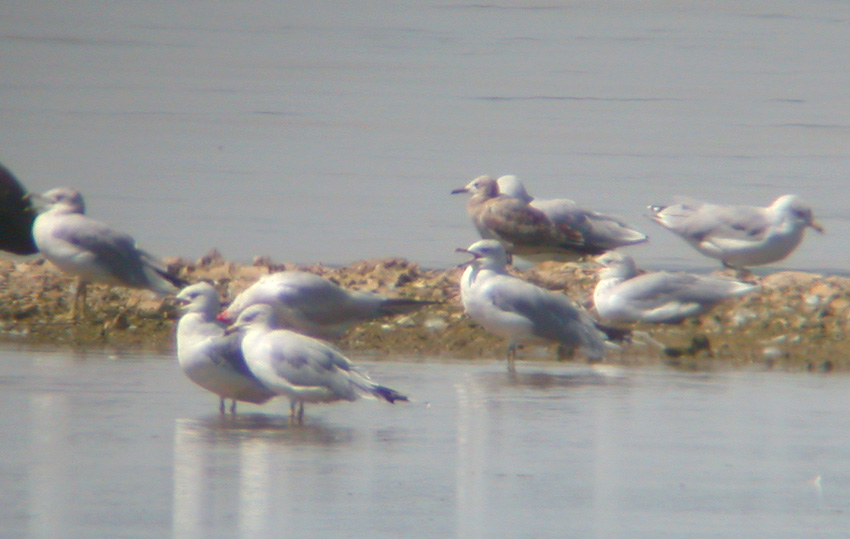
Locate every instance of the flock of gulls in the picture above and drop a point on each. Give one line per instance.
(272, 339)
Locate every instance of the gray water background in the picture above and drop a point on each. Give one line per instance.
(334, 131)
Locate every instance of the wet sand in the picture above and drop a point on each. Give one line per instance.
(799, 320)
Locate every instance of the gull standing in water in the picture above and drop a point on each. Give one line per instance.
(94, 252)
(522, 312)
(300, 367)
(600, 232)
(210, 358)
(16, 216)
(739, 236)
(314, 306)
(621, 295)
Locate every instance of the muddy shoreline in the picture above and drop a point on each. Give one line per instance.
(798, 321)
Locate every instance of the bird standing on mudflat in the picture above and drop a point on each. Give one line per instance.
(314, 306)
(739, 236)
(623, 295)
(520, 311)
(601, 232)
(94, 252)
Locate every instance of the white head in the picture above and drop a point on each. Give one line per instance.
(255, 294)
(68, 199)
(199, 298)
(512, 187)
(259, 315)
(792, 207)
(488, 254)
(616, 266)
(484, 186)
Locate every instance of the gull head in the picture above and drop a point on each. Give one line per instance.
(511, 186)
(793, 207)
(259, 315)
(483, 186)
(68, 199)
(487, 253)
(199, 297)
(616, 265)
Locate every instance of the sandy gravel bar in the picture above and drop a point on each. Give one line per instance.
(798, 320)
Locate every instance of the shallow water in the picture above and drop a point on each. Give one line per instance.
(334, 131)
(100, 446)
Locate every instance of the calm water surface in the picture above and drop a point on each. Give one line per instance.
(334, 131)
(124, 446)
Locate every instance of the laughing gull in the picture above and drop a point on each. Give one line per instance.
(312, 305)
(600, 232)
(622, 295)
(739, 236)
(301, 368)
(520, 311)
(94, 252)
(16, 216)
(210, 358)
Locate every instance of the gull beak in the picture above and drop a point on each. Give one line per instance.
(230, 330)
(224, 317)
(467, 251)
(460, 190)
(36, 200)
(816, 226)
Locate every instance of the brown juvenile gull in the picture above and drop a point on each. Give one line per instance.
(94, 252)
(524, 231)
(600, 232)
(739, 236)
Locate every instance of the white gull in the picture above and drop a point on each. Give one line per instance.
(739, 236)
(301, 368)
(315, 306)
(92, 251)
(520, 311)
(210, 358)
(623, 295)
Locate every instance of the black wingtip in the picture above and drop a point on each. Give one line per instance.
(615, 334)
(173, 279)
(389, 395)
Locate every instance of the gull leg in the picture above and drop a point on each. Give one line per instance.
(221, 405)
(511, 357)
(78, 304)
(296, 412)
(233, 406)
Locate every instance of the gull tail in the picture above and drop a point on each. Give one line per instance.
(615, 334)
(179, 282)
(389, 395)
